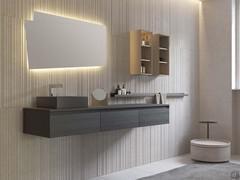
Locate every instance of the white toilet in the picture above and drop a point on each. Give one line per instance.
(209, 150)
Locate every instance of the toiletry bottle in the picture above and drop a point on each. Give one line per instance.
(147, 40)
(143, 69)
(124, 90)
(157, 96)
(116, 90)
(119, 91)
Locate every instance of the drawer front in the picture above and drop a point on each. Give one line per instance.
(155, 116)
(65, 124)
(119, 119)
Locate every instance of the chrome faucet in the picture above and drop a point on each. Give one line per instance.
(54, 86)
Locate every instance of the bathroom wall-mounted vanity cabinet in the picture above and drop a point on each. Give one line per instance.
(149, 53)
(66, 122)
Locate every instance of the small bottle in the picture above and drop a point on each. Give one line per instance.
(143, 69)
(124, 90)
(118, 90)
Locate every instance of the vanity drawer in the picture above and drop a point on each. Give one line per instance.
(119, 119)
(155, 116)
(66, 124)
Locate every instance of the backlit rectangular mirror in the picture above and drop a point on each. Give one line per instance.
(60, 42)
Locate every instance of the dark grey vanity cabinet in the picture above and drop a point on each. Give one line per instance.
(66, 122)
(56, 124)
(37, 122)
(154, 116)
(119, 119)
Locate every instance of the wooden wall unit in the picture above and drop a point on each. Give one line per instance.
(150, 51)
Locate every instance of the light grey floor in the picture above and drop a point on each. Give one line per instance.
(154, 168)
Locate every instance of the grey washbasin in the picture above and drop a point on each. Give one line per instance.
(62, 102)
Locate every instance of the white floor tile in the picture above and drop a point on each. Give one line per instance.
(154, 168)
(148, 169)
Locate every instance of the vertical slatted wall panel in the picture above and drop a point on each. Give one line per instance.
(24, 157)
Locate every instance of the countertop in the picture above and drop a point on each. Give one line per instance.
(103, 108)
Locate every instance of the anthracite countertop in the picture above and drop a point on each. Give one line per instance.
(103, 108)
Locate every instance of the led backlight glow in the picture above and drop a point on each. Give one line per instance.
(66, 69)
(69, 17)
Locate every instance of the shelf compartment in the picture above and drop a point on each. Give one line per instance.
(141, 47)
(161, 54)
(164, 41)
(146, 53)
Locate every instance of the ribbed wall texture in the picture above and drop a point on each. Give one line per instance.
(24, 157)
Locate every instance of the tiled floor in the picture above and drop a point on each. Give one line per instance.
(153, 168)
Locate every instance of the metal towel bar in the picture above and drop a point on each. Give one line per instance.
(176, 95)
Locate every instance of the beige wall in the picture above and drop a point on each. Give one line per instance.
(236, 120)
(236, 96)
(215, 66)
(80, 157)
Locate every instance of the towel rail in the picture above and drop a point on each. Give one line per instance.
(176, 95)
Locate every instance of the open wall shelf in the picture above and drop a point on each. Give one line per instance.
(143, 95)
(149, 53)
(141, 47)
(161, 54)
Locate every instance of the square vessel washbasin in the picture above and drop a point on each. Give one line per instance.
(62, 102)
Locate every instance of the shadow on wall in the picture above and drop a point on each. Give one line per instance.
(91, 154)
